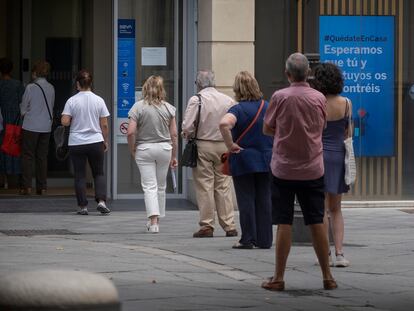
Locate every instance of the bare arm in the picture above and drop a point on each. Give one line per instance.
(267, 130)
(173, 134)
(103, 122)
(189, 119)
(132, 128)
(65, 120)
(226, 124)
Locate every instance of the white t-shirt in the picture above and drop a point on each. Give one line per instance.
(85, 108)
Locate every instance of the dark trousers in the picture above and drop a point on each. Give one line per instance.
(94, 154)
(253, 192)
(35, 147)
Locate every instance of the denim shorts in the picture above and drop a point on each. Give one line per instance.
(311, 197)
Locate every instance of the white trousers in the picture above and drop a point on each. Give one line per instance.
(153, 160)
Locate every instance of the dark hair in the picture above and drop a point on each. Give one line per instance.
(41, 68)
(84, 78)
(6, 65)
(328, 79)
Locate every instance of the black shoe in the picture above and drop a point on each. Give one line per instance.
(238, 245)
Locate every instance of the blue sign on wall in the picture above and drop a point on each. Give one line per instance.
(126, 66)
(363, 47)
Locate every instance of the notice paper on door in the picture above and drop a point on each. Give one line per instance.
(154, 56)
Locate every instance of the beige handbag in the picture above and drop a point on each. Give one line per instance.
(350, 165)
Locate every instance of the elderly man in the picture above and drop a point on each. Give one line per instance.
(296, 118)
(213, 189)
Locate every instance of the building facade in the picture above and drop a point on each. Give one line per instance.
(124, 41)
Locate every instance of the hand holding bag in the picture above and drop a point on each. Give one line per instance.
(350, 165)
(61, 138)
(190, 153)
(12, 138)
(225, 157)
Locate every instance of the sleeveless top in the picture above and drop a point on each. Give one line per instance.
(333, 135)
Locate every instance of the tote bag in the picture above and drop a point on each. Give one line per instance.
(350, 166)
(12, 138)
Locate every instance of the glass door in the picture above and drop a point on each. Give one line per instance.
(148, 36)
(54, 31)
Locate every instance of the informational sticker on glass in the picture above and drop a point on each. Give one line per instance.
(122, 130)
(153, 56)
(363, 48)
(126, 73)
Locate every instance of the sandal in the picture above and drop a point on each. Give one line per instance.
(277, 286)
(329, 284)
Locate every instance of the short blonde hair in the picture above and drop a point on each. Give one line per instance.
(41, 68)
(153, 90)
(246, 87)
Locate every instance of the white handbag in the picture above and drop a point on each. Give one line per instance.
(350, 165)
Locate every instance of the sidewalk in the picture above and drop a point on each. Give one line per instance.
(173, 271)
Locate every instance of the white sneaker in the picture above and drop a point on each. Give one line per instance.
(102, 208)
(154, 228)
(82, 211)
(341, 261)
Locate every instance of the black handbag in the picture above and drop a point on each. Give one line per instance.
(61, 138)
(190, 153)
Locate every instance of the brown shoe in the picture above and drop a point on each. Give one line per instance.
(277, 286)
(329, 284)
(231, 233)
(204, 233)
(25, 191)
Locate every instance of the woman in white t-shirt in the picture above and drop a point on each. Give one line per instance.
(152, 140)
(87, 116)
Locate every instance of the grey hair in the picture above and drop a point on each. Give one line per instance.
(297, 67)
(205, 78)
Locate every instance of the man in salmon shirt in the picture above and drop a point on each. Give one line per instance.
(296, 118)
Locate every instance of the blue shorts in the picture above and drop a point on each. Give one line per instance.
(311, 197)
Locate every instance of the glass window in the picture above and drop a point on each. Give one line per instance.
(155, 53)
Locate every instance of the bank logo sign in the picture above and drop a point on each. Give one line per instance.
(126, 66)
(363, 47)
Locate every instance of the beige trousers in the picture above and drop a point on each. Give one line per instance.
(213, 189)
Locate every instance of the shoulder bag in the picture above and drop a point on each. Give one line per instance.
(12, 138)
(190, 153)
(47, 104)
(350, 165)
(225, 157)
(60, 135)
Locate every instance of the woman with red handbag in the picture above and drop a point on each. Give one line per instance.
(249, 162)
(11, 92)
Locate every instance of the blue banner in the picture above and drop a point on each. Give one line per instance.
(126, 66)
(363, 47)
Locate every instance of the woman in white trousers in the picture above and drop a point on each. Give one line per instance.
(152, 140)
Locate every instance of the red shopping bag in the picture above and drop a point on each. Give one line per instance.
(11, 140)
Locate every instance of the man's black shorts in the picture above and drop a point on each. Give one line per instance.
(311, 197)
